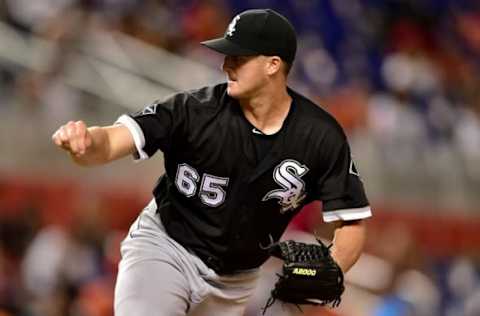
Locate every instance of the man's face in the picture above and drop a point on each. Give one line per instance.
(246, 75)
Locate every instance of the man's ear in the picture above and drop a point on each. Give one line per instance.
(274, 65)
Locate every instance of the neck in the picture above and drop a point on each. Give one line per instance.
(267, 109)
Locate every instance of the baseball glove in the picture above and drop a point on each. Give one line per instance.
(310, 275)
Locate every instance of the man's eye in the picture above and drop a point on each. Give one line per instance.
(242, 59)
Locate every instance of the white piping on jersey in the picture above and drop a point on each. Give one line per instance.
(137, 134)
(347, 214)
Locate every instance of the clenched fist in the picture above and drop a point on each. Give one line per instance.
(74, 137)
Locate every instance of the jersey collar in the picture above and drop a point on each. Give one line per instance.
(278, 147)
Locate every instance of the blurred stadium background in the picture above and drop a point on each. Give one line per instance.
(401, 77)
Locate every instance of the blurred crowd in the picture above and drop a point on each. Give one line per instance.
(57, 270)
(384, 65)
(405, 72)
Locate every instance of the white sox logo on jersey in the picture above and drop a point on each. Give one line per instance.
(231, 26)
(288, 175)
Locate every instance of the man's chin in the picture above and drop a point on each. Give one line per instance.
(232, 92)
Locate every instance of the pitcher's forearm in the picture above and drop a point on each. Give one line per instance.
(348, 243)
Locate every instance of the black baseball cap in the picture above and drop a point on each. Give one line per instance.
(257, 32)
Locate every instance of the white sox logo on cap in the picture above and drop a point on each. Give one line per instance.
(260, 32)
(231, 26)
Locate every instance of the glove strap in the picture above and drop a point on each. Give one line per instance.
(269, 303)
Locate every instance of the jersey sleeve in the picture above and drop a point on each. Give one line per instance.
(340, 188)
(153, 127)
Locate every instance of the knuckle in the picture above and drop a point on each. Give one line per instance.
(70, 125)
(81, 128)
(79, 124)
(70, 130)
(63, 134)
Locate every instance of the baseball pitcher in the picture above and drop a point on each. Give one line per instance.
(241, 159)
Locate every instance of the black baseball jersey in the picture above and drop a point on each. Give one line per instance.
(220, 196)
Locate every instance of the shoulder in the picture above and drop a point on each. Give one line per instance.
(194, 105)
(209, 96)
(313, 117)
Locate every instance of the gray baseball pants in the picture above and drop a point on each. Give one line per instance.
(159, 277)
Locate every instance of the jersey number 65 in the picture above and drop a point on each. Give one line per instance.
(212, 192)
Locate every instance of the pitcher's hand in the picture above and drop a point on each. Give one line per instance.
(73, 137)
